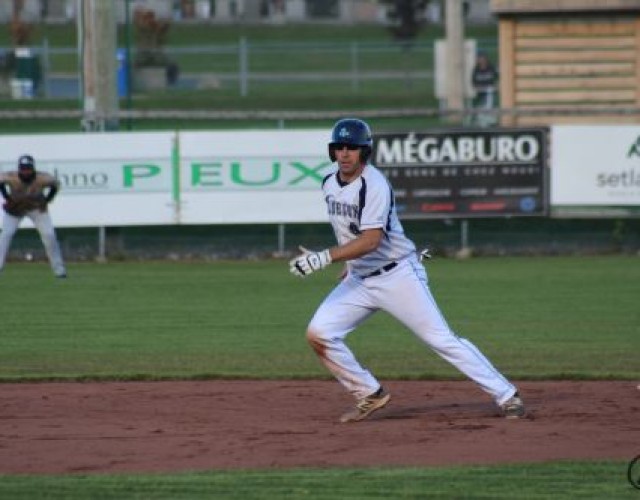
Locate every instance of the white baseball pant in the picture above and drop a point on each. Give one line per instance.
(44, 225)
(404, 293)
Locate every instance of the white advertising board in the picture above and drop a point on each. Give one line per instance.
(595, 165)
(253, 176)
(107, 179)
(119, 179)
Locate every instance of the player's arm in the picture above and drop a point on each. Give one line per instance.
(365, 243)
(51, 185)
(11, 205)
(4, 191)
(308, 262)
(51, 194)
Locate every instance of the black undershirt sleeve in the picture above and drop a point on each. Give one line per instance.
(3, 190)
(53, 190)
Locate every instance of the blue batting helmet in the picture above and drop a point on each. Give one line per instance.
(353, 132)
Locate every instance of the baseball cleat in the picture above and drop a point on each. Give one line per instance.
(367, 406)
(513, 407)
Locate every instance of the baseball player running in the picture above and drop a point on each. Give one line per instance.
(383, 272)
(27, 193)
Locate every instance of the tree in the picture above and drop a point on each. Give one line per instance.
(20, 31)
(151, 37)
(407, 17)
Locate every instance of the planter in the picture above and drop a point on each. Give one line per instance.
(150, 78)
(22, 89)
(5, 86)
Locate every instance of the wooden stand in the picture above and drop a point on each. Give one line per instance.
(575, 56)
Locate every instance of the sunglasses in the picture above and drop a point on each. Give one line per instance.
(339, 146)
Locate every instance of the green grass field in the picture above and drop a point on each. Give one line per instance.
(536, 318)
(595, 480)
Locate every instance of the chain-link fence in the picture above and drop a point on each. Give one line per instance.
(489, 237)
(245, 68)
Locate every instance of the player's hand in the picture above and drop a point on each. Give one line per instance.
(425, 254)
(308, 262)
(16, 207)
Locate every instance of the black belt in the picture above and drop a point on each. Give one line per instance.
(383, 269)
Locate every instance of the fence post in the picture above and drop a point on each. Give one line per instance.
(464, 234)
(46, 61)
(281, 239)
(243, 55)
(102, 243)
(355, 70)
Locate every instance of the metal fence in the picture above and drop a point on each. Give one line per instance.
(246, 67)
(494, 237)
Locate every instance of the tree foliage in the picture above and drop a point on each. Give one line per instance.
(406, 17)
(151, 37)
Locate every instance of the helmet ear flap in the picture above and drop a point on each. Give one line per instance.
(365, 153)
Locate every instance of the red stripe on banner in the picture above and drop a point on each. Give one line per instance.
(438, 207)
(489, 206)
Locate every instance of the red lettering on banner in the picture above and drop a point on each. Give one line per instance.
(488, 206)
(438, 207)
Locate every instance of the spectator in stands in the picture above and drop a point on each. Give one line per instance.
(484, 79)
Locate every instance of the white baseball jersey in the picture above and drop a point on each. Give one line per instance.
(366, 203)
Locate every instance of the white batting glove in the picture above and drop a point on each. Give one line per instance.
(308, 262)
(425, 254)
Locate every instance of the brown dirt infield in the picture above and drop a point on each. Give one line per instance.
(204, 425)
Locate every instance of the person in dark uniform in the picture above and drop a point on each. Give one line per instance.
(484, 79)
(27, 193)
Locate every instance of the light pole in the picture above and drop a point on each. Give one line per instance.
(127, 51)
(97, 48)
(455, 57)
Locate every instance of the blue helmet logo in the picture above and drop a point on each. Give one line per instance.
(343, 132)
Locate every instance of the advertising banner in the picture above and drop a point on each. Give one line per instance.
(106, 179)
(253, 176)
(124, 179)
(595, 165)
(238, 177)
(466, 173)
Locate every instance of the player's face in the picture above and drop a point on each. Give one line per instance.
(348, 158)
(26, 174)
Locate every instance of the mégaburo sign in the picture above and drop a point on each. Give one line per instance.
(466, 173)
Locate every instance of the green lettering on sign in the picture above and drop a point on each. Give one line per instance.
(206, 174)
(634, 150)
(307, 172)
(138, 171)
(237, 178)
